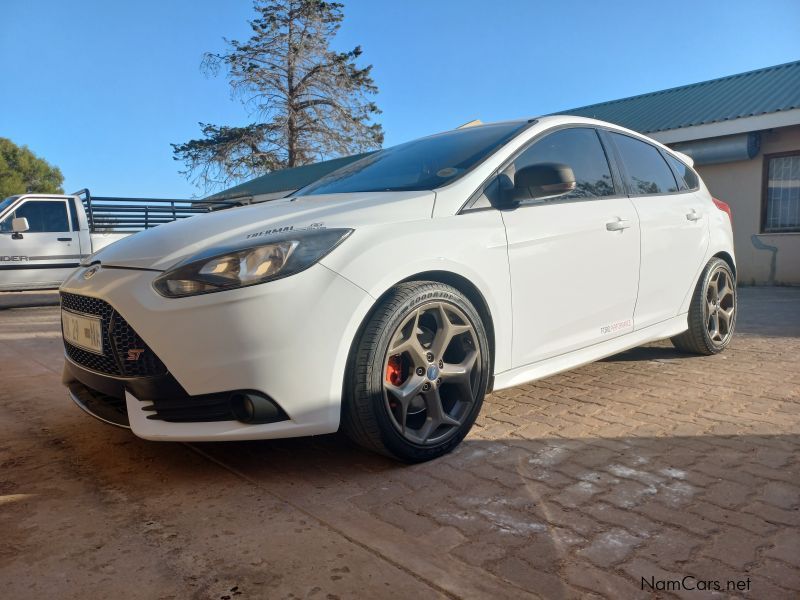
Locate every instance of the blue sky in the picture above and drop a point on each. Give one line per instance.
(101, 88)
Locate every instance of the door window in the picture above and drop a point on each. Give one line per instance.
(43, 216)
(578, 147)
(648, 173)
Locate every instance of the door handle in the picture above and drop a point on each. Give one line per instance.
(617, 225)
(694, 215)
(64, 239)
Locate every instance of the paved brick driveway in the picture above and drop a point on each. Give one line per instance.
(646, 465)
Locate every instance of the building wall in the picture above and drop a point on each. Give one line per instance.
(740, 184)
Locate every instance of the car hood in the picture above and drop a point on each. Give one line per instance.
(162, 247)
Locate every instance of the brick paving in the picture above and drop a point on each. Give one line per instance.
(649, 464)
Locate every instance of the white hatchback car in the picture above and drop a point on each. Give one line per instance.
(388, 297)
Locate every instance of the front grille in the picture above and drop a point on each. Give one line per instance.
(124, 353)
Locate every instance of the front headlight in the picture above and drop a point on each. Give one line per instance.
(240, 266)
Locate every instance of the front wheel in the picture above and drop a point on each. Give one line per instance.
(712, 313)
(418, 374)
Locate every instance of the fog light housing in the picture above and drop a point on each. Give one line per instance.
(254, 408)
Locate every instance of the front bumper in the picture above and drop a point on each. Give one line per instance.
(287, 339)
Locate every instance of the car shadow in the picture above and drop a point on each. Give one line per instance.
(650, 352)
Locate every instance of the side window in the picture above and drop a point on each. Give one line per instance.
(647, 170)
(489, 196)
(73, 214)
(578, 147)
(43, 216)
(687, 178)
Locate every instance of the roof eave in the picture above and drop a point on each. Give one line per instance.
(785, 118)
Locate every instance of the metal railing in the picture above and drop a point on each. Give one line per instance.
(108, 214)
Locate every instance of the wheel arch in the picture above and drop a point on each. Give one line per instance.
(473, 294)
(728, 259)
(722, 255)
(463, 285)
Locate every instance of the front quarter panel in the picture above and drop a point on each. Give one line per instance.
(472, 245)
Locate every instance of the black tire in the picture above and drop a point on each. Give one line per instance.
(366, 414)
(698, 339)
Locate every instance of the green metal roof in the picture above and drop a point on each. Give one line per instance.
(286, 180)
(758, 92)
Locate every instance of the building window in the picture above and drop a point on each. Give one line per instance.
(781, 204)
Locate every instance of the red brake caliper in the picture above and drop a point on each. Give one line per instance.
(394, 374)
(394, 370)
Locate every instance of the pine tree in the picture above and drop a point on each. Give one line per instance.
(310, 102)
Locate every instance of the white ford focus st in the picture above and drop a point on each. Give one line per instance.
(388, 297)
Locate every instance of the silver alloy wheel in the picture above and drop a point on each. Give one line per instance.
(431, 372)
(720, 306)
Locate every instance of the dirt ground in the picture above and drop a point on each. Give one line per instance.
(611, 480)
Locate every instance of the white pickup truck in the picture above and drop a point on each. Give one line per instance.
(43, 237)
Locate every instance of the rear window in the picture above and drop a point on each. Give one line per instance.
(648, 172)
(687, 178)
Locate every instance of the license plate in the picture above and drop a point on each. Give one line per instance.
(82, 331)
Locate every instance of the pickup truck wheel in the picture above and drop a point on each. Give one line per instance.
(712, 313)
(418, 373)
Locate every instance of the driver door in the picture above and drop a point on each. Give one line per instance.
(44, 255)
(574, 258)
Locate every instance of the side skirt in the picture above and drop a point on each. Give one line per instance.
(564, 362)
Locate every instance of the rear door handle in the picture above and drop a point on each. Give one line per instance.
(617, 225)
(64, 239)
(694, 215)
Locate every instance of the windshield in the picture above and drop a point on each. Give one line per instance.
(423, 164)
(4, 204)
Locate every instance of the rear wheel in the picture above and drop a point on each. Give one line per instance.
(712, 313)
(418, 374)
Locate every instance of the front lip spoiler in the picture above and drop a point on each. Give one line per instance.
(105, 398)
(98, 410)
(115, 385)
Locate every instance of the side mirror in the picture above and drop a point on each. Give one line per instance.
(18, 226)
(543, 180)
